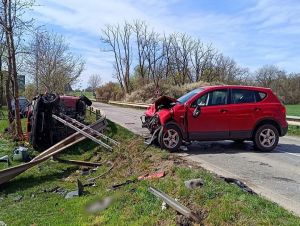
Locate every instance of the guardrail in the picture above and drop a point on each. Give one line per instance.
(293, 118)
(136, 105)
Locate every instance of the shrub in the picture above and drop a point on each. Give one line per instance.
(109, 91)
(147, 93)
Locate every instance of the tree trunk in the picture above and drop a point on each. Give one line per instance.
(2, 85)
(8, 101)
(12, 66)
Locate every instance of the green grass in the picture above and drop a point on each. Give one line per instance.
(4, 122)
(218, 202)
(293, 110)
(294, 130)
(87, 94)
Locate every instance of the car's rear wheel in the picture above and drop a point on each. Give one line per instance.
(170, 137)
(266, 138)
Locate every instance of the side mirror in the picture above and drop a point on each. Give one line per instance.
(197, 111)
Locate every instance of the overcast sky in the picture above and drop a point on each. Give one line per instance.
(253, 33)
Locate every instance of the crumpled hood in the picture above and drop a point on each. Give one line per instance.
(161, 102)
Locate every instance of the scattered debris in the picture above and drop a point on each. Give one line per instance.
(12, 172)
(85, 171)
(155, 175)
(194, 183)
(175, 204)
(21, 154)
(101, 175)
(91, 184)
(57, 190)
(239, 183)
(116, 186)
(77, 162)
(99, 205)
(78, 192)
(51, 189)
(18, 198)
(5, 158)
(163, 206)
(183, 221)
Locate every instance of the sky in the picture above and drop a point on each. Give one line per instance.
(252, 32)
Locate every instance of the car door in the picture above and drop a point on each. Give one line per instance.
(243, 111)
(213, 122)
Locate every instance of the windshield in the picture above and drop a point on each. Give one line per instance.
(189, 95)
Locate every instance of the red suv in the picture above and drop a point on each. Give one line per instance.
(218, 113)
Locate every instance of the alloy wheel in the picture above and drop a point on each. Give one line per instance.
(171, 138)
(267, 138)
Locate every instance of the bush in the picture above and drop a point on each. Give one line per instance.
(147, 94)
(109, 91)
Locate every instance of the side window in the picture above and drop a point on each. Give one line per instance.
(202, 101)
(242, 96)
(217, 97)
(259, 96)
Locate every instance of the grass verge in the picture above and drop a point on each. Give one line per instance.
(293, 109)
(217, 202)
(294, 130)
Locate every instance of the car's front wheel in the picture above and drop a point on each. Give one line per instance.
(170, 137)
(266, 138)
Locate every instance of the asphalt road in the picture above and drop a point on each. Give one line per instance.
(275, 175)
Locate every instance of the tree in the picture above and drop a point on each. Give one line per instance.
(118, 38)
(267, 75)
(94, 81)
(140, 29)
(11, 22)
(51, 63)
(2, 76)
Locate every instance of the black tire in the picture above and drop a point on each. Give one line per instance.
(50, 99)
(174, 142)
(266, 138)
(86, 100)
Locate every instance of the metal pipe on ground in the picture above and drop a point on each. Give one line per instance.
(174, 204)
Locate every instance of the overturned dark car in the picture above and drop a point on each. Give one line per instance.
(42, 130)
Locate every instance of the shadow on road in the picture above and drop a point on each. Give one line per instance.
(230, 147)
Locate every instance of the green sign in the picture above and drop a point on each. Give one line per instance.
(21, 79)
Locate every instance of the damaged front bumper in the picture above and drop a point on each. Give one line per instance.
(150, 122)
(153, 125)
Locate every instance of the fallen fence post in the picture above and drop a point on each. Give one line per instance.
(77, 162)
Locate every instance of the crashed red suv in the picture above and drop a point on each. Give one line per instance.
(218, 113)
